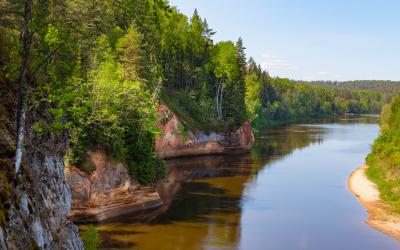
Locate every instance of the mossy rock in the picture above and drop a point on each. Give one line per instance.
(5, 195)
(7, 147)
(4, 115)
(88, 166)
(2, 217)
(33, 246)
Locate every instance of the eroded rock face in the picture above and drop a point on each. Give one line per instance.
(107, 192)
(174, 143)
(38, 211)
(35, 202)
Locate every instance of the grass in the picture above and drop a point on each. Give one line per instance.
(91, 238)
(385, 173)
(384, 160)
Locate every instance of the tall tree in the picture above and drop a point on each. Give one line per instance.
(26, 41)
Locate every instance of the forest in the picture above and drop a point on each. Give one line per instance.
(277, 100)
(384, 160)
(387, 87)
(96, 71)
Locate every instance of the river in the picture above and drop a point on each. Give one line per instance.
(290, 192)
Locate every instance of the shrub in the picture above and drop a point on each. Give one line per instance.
(91, 238)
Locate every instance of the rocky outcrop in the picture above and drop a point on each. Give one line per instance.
(34, 204)
(37, 213)
(108, 192)
(178, 142)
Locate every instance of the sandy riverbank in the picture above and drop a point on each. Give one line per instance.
(381, 216)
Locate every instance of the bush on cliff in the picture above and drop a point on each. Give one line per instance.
(120, 112)
(91, 238)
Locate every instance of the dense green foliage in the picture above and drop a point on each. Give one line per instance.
(91, 238)
(376, 85)
(387, 88)
(100, 69)
(90, 70)
(277, 100)
(384, 160)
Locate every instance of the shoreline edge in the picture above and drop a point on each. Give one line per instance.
(380, 215)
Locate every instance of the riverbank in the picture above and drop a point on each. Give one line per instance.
(107, 192)
(380, 215)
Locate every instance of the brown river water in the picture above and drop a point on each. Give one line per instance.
(290, 192)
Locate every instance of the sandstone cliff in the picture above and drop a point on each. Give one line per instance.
(176, 141)
(107, 192)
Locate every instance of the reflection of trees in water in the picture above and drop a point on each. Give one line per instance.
(183, 173)
(202, 199)
(277, 143)
(343, 119)
(366, 119)
(282, 141)
(203, 195)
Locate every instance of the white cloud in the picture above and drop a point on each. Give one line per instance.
(276, 64)
(321, 75)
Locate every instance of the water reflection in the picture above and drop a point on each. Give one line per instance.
(279, 142)
(288, 193)
(203, 197)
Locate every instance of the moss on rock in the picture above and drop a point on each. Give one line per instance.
(5, 194)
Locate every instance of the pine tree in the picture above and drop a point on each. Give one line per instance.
(241, 55)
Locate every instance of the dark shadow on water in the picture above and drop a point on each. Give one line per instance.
(190, 205)
(119, 232)
(209, 189)
(108, 242)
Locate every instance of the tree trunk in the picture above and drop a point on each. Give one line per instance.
(26, 39)
(218, 101)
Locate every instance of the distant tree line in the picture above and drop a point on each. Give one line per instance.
(390, 88)
(275, 100)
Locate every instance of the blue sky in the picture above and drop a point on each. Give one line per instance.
(310, 39)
